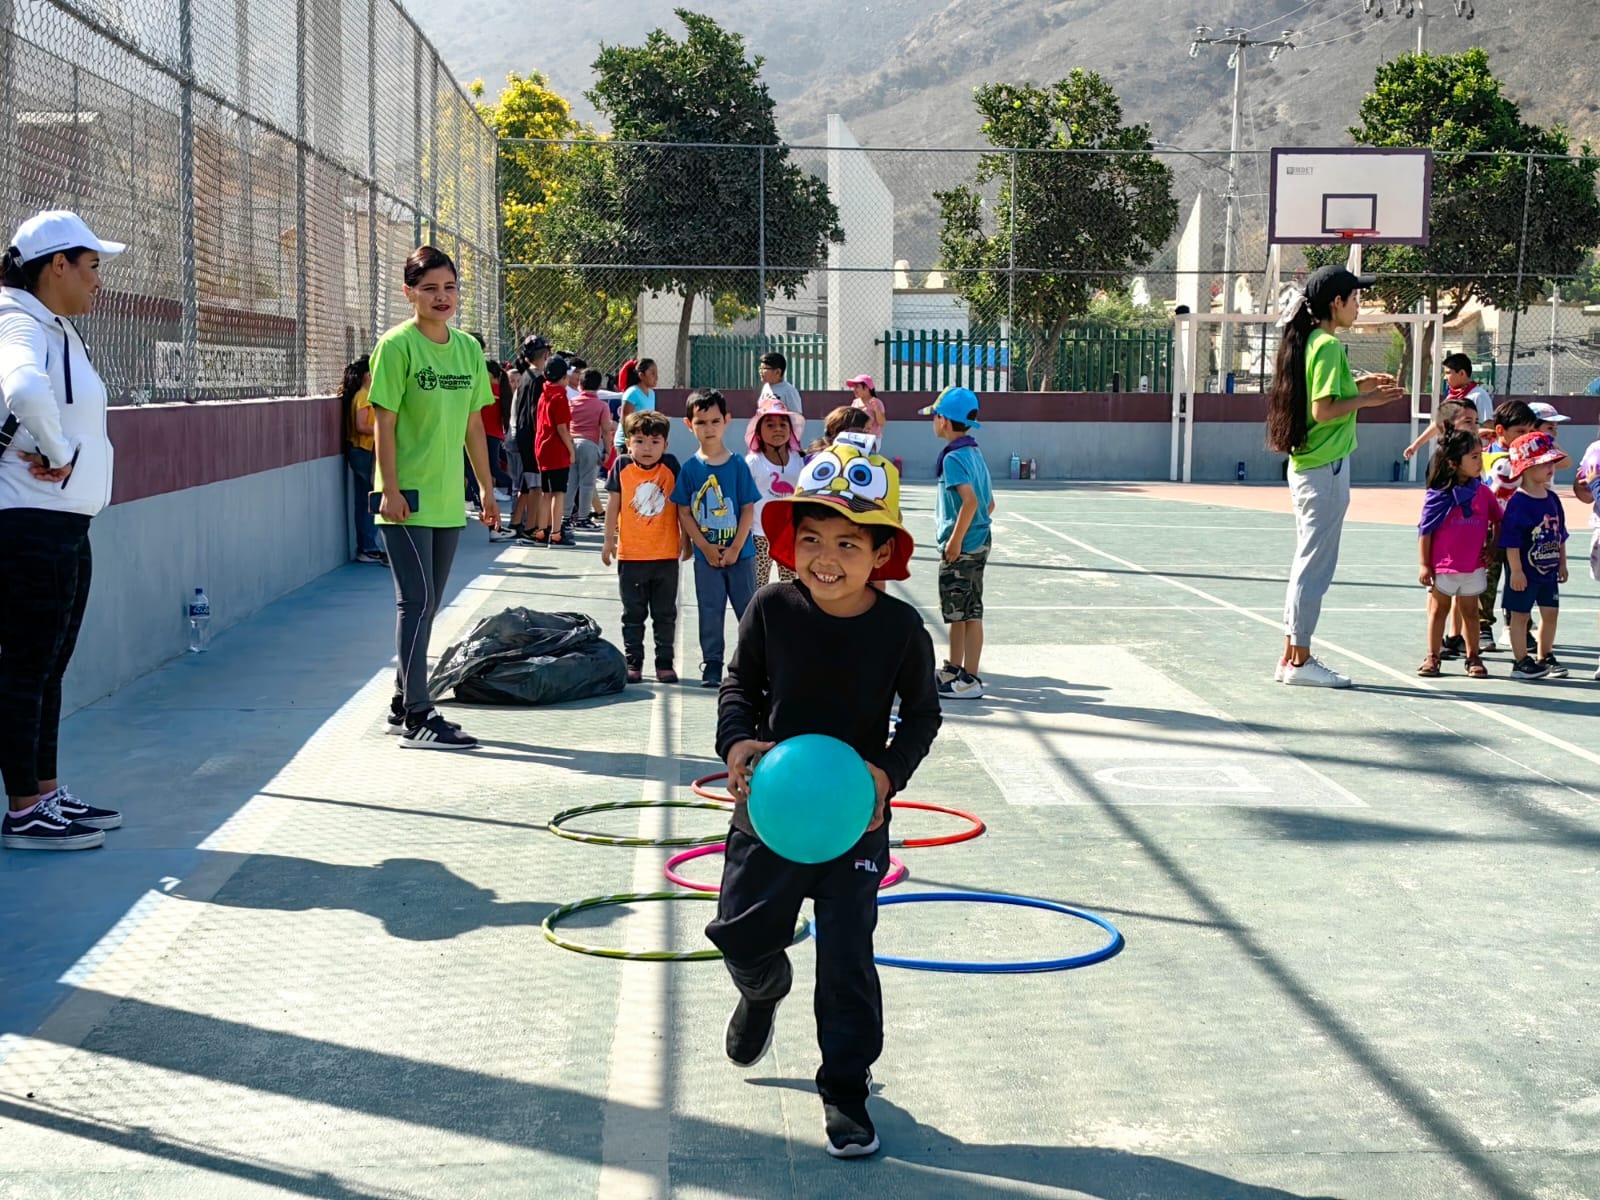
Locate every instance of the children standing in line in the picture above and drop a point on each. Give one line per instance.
(966, 504)
(1512, 419)
(553, 448)
(1534, 537)
(643, 535)
(1459, 516)
(773, 436)
(716, 498)
(826, 654)
(1587, 489)
(774, 367)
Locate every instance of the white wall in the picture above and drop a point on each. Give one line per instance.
(860, 303)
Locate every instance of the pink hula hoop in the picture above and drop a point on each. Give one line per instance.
(897, 869)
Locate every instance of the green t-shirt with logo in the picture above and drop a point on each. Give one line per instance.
(1327, 374)
(434, 388)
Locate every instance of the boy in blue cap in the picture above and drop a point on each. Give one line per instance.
(966, 504)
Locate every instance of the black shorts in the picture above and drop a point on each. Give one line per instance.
(554, 479)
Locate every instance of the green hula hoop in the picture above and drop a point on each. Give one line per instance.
(557, 824)
(801, 929)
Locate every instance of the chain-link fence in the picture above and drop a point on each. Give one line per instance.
(1044, 270)
(270, 164)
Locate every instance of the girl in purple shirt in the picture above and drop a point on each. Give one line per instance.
(1456, 516)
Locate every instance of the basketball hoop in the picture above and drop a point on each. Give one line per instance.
(1356, 235)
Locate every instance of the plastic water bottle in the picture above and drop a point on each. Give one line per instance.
(1016, 465)
(199, 622)
(1242, 473)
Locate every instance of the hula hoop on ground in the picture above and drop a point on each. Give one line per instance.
(978, 828)
(1109, 950)
(897, 869)
(700, 788)
(577, 947)
(557, 824)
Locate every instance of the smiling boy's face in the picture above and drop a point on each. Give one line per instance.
(833, 556)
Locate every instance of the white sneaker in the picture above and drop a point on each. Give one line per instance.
(966, 687)
(1312, 673)
(503, 495)
(1277, 674)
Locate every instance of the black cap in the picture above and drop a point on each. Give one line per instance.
(555, 370)
(535, 344)
(1325, 283)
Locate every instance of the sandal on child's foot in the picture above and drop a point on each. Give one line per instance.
(541, 536)
(1476, 669)
(1429, 667)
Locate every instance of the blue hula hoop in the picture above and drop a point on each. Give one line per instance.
(1110, 949)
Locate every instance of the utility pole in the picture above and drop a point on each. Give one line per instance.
(1419, 10)
(1240, 41)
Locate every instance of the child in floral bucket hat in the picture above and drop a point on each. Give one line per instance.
(773, 438)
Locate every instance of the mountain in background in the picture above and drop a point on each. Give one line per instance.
(901, 72)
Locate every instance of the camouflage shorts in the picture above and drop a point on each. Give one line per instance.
(961, 586)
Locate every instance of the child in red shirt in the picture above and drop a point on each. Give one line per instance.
(552, 450)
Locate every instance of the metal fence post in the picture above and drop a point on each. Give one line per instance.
(372, 171)
(188, 283)
(761, 241)
(416, 136)
(1522, 258)
(8, 111)
(302, 258)
(1011, 272)
(433, 149)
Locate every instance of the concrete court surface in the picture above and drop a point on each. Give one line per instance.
(1361, 956)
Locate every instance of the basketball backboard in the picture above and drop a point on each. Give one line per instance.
(1376, 196)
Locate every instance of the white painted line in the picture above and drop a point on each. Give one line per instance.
(1482, 710)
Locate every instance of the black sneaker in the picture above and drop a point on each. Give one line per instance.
(1552, 668)
(1486, 642)
(435, 733)
(396, 723)
(1454, 646)
(1528, 669)
(749, 1034)
(850, 1130)
(711, 675)
(44, 828)
(74, 809)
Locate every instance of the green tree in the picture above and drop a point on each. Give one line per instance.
(687, 217)
(544, 296)
(1453, 104)
(1083, 222)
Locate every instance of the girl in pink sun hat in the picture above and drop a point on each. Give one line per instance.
(773, 437)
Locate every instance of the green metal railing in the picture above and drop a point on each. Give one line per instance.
(728, 361)
(1086, 359)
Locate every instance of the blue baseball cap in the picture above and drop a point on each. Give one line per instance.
(955, 404)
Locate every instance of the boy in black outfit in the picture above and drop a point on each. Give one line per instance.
(824, 653)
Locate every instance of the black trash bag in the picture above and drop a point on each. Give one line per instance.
(518, 657)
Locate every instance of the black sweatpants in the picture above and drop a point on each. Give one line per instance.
(649, 588)
(756, 914)
(419, 560)
(44, 586)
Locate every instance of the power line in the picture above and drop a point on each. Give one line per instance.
(1340, 38)
(1279, 20)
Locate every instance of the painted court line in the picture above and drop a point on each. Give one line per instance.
(1412, 681)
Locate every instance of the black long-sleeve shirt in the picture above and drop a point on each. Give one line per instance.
(798, 670)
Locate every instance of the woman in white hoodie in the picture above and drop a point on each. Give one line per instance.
(55, 475)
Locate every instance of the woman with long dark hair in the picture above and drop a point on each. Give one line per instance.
(429, 387)
(355, 405)
(1311, 417)
(55, 475)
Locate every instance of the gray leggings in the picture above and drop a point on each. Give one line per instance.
(580, 491)
(1320, 497)
(419, 558)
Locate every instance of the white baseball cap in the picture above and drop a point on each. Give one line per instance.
(1547, 412)
(54, 231)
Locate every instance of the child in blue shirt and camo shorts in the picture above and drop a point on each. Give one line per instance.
(965, 506)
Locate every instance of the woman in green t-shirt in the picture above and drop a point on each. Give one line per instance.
(429, 387)
(1311, 417)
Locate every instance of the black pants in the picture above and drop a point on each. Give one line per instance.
(756, 914)
(44, 586)
(649, 588)
(419, 560)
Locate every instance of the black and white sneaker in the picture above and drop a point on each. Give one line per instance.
(1454, 646)
(435, 733)
(44, 828)
(1552, 668)
(74, 809)
(710, 675)
(750, 1031)
(850, 1130)
(395, 723)
(1529, 668)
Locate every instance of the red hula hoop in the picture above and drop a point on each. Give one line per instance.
(897, 869)
(978, 828)
(699, 788)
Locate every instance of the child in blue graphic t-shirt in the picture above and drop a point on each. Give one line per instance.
(716, 497)
(1534, 537)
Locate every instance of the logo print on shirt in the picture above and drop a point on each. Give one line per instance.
(649, 500)
(427, 380)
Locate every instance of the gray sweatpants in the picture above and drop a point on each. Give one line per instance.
(419, 559)
(1321, 496)
(580, 490)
